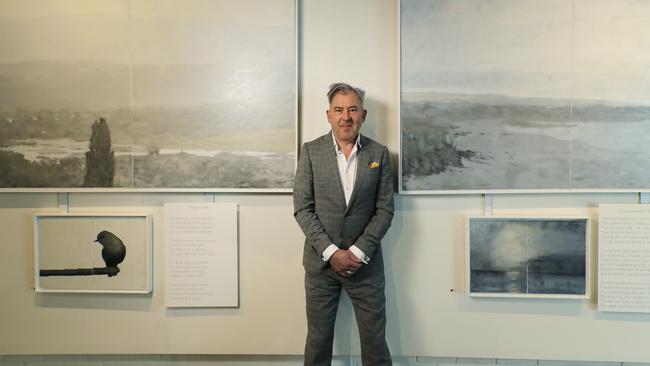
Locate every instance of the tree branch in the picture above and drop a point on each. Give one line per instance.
(108, 271)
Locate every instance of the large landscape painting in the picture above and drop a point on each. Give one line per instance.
(147, 94)
(503, 95)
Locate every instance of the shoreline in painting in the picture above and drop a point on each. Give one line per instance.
(484, 142)
(180, 170)
(190, 147)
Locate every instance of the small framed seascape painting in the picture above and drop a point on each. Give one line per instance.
(538, 257)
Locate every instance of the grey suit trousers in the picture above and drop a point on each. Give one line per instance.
(366, 291)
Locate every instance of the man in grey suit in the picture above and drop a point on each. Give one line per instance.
(343, 202)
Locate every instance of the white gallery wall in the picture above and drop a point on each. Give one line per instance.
(428, 311)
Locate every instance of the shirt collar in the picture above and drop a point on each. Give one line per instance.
(336, 145)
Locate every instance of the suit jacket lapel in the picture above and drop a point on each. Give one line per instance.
(363, 159)
(329, 156)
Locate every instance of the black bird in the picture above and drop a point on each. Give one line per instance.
(114, 250)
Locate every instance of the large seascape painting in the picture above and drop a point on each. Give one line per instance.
(156, 95)
(527, 257)
(503, 95)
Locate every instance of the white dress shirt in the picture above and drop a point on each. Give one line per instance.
(348, 174)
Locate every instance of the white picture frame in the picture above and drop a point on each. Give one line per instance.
(527, 257)
(73, 253)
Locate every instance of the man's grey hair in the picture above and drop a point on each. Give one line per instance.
(344, 89)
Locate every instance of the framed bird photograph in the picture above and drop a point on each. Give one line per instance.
(93, 253)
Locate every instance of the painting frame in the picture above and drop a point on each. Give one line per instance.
(559, 268)
(259, 177)
(58, 227)
(445, 185)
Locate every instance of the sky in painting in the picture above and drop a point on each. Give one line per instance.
(526, 48)
(200, 31)
(182, 52)
(506, 243)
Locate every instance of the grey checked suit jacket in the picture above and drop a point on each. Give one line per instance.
(319, 203)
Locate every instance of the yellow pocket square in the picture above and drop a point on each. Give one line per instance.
(373, 165)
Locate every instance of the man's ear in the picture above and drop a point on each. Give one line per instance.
(365, 113)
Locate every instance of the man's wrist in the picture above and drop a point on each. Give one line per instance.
(329, 251)
(360, 254)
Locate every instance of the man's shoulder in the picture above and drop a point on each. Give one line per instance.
(325, 140)
(367, 142)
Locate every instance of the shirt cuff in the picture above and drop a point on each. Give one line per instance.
(360, 254)
(327, 253)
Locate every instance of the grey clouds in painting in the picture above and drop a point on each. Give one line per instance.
(527, 256)
(195, 94)
(524, 95)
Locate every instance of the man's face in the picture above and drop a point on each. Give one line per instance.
(346, 115)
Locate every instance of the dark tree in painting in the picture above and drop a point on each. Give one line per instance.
(100, 165)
